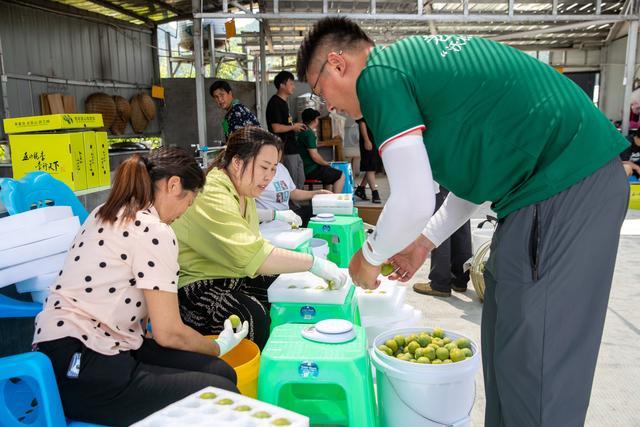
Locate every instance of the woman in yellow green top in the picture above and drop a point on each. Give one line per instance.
(226, 265)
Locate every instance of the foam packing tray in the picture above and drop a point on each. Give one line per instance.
(41, 249)
(37, 284)
(194, 411)
(47, 230)
(289, 239)
(31, 269)
(381, 302)
(306, 288)
(339, 204)
(32, 218)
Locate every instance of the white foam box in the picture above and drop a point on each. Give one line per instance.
(305, 288)
(32, 218)
(20, 272)
(406, 317)
(281, 235)
(48, 230)
(384, 301)
(39, 296)
(40, 283)
(338, 204)
(36, 250)
(223, 410)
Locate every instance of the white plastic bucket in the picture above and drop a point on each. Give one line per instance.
(424, 395)
(479, 236)
(319, 248)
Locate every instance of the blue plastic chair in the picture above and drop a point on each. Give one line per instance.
(37, 190)
(29, 394)
(11, 308)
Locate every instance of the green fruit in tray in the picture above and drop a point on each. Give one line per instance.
(446, 340)
(467, 352)
(281, 422)
(450, 346)
(242, 408)
(392, 344)
(382, 292)
(430, 352)
(261, 414)
(235, 321)
(437, 333)
(418, 353)
(463, 343)
(292, 286)
(208, 395)
(436, 362)
(412, 337)
(447, 361)
(331, 284)
(386, 269)
(320, 287)
(383, 348)
(442, 353)
(368, 291)
(424, 360)
(225, 402)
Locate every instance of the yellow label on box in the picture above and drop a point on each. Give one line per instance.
(104, 169)
(52, 122)
(61, 155)
(91, 159)
(157, 92)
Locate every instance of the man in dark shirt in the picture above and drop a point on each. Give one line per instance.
(237, 115)
(631, 156)
(279, 122)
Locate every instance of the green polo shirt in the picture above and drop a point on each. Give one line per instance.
(307, 140)
(216, 241)
(501, 126)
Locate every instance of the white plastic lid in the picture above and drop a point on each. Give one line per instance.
(311, 333)
(324, 217)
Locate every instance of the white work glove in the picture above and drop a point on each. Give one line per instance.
(288, 216)
(228, 338)
(329, 272)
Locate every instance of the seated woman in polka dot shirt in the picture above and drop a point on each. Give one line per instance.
(122, 270)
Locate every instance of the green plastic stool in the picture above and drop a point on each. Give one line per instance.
(289, 312)
(329, 383)
(345, 235)
(304, 248)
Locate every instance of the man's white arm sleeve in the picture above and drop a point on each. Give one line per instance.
(452, 214)
(410, 204)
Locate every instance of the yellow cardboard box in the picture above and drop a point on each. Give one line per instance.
(61, 155)
(52, 122)
(91, 159)
(104, 169)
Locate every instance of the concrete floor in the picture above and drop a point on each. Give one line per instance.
(615, 397)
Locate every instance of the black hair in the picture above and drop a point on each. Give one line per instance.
(282, 78)
(219, 84)
(309, 115)
(335, 33)
(134, 184)
(246, 143)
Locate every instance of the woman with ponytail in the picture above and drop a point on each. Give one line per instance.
(121, 272)
(226, 265)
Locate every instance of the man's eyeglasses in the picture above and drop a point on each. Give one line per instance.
(314, 94)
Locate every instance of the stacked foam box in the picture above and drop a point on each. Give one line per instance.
(384, 308)
(216, 407)
(33, 247)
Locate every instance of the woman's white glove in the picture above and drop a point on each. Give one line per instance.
(288, 216)
(229, 338)
(335, 277)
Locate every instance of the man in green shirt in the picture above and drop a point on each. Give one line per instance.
(315, 167)
(538, 150)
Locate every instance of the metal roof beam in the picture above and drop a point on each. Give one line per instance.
(122, 10)
(166, 6)
(555, 29)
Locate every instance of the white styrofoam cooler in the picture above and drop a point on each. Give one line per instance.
(281, 235)
(381, 302)
(37, 284)
(33, 218)
(305, 287)
(31, 269)
(26, 235)
(223, 410)
(35, 250)
(339, 204)
(405, 317)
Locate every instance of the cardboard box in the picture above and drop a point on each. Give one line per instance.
(91, 159)
(52, 122)
(370, 214)
(61, 155)
(104, 168)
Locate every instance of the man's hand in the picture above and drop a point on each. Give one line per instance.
(630, 168)
(362, 273)
(410, 259)
(299, 127)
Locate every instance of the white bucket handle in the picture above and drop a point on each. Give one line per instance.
(454, 424)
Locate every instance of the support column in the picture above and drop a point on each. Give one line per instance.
(629, 73)
(264, 77)
(198, 65)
